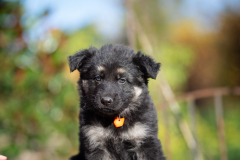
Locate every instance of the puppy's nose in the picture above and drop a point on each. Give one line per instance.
(106, 101)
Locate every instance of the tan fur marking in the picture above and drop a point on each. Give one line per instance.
(100, 68)
(96, 135)
(138, 92)
(121, 70)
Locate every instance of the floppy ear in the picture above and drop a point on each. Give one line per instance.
(147, 65)
(76, 61)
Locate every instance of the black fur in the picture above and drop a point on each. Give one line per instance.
(113, 83)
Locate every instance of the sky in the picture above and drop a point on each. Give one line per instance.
(71, 15)
(108, 15)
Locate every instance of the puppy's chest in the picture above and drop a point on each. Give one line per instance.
(106, 138)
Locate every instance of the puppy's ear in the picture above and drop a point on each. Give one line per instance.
(147, 65)
(76, 61)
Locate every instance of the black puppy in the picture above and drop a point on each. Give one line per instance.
(118, 120)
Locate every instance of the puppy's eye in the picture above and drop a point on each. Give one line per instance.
(98, 78)
(122, 80)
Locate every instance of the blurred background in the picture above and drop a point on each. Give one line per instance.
(196, 93)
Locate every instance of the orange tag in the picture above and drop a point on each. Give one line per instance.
(118, 122)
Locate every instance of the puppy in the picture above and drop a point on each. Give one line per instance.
(118, 120)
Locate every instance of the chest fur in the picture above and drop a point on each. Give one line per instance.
(99, 137)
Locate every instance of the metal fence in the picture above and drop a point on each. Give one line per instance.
(189, 133)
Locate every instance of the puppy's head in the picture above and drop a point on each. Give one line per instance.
(112, 78)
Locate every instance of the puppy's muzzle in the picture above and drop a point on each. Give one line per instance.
(106, 101)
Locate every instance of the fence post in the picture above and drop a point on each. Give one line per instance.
(220, 125)
(175, 108)
(192, 122)
(192, 116)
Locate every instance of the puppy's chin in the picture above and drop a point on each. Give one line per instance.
(108, 111)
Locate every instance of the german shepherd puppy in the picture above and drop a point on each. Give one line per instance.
(118, 120)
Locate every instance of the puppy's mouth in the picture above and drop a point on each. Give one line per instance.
(107, 110)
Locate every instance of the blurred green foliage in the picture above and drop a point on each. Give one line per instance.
(39, 103)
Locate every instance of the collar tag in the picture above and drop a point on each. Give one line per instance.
(118, 122)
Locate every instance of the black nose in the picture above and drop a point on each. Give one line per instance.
(106, 101)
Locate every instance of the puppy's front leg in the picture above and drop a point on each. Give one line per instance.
(150, 149)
